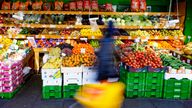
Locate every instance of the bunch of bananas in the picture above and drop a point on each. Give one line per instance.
(94, 43)
(53, 63)
(89, 32)
(6, 42)
(118, 42)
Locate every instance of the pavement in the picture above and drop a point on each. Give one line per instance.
(30, 97)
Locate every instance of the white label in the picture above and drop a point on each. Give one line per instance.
(188, 61)
(129, 37)
(156, 37)
(57, 43)
(44, 49)
(174, 54)
(1, 45)
(42, 36)
(43, 26)
(166, 37)
(178, 56)
(83, 50)
(92, 37)
(53, 26)
(183, 61)
(62, 37)
(175, 37)
(22, 42)
(146, 14)
(156, 27)
(140, 27)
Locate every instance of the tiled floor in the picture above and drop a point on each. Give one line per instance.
(30, 97)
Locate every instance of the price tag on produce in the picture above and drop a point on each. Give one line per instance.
(83, 39)
(1, 45)
(44, 49)
(176, 37)
(156, 37)
(52, 26)
(140, 27)
(174, 54)
(146, 14)
(57, 43)
(43, 36)
(115, 37)
(92, 37)
(188, 61)
(129, 37)
(156, 27)
(178, 56)
(62, 37)
(43, 26)
(10, 36)
(166, 37)
(83, 50)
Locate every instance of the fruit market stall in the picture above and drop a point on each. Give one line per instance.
(150, 46)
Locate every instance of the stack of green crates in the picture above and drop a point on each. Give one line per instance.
(154, 84)
(177, 89)
(70, 90)
(135, 84)
(52, 92)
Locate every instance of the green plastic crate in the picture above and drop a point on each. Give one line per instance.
(51, 89)
(69, 94)
(177, 89)
(134, 94)
(154, 84)
(71, 87)
(52, 95)
(135, 84)
(122, 74)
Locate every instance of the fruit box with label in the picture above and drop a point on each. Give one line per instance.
(89, 75)
(72, 75)
(50, 74)
(52, 82)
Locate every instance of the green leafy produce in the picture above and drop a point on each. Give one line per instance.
(174, 62)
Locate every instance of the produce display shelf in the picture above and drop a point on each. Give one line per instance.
(89, 13)
(47, 36)
(84, 26)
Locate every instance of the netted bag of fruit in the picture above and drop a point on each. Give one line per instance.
(37, 5)
(135, 5)
(24, 5)
(83, 48)
(15, 5)
(47, 5)
(6, 5)
(58, 5)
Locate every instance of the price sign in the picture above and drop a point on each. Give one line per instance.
(44, 49)
(83, 50)
(166, 37)
(92, 37)
(188, 61)
(52, 26)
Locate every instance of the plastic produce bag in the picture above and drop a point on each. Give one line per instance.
(24, 5)
(37, 5)
(135, 5)
(6, 5)
(47, 6)
(15, 5)
(79, 5)
(58, 5)
(143, 5)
